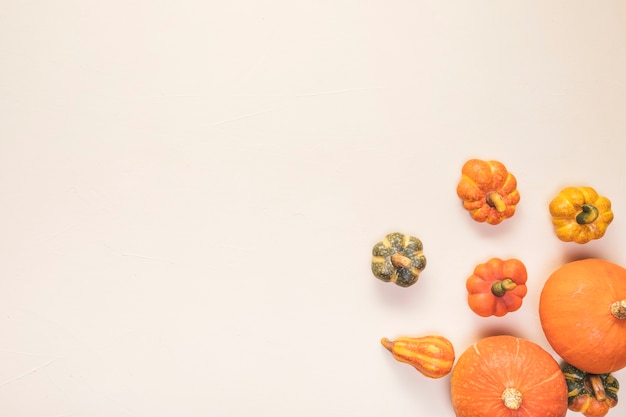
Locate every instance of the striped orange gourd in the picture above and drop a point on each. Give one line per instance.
(431, 355)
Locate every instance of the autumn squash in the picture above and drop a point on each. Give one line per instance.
(497, 287)
(580, 215)
(432, 355)
(591, 394)
(398, 258)
(488, 191)
(582, 309)
(506, 376)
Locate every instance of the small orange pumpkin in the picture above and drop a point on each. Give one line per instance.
(580, 214)
(432, 355)
(497, 287)
(506, 376)
(488, 190)
(582, 309)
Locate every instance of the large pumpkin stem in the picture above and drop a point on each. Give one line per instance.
(588, 215)
(512, 398)
(496, 201)
(499, 288)
(400, 261)
(597, 387)
(618, 309)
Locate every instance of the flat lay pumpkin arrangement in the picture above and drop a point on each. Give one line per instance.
(582, 311)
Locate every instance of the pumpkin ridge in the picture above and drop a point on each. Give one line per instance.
(497, 175)
(470, 188)
(475, 346)
(589, 194)
(495, 380)
(509, 185)
(468, 179)
(556, 374)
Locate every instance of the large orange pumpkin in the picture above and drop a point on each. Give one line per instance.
(506, 376)
(582, 309)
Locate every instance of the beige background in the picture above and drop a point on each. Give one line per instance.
(190, 192)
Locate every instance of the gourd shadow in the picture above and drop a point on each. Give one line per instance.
(396, 296)
(412, 385)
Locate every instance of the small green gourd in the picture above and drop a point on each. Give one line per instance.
(398, 258)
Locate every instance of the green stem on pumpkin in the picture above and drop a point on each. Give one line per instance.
(588, 215)
(496, 201)
(499, 288)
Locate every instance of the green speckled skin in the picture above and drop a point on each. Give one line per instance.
(576, 387)
(398, 243)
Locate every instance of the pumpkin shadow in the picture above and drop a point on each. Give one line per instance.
(396, 296)
(490, 231)
(580, 253)
(497, 330)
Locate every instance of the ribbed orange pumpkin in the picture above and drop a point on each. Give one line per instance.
(582, 309)
(506, 376)
(488, 190)
(497, 287)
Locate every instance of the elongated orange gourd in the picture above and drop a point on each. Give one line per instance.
(432, 355)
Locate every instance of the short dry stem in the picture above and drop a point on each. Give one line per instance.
(597, 387)
(512, 398)
(496, 201)
(400, 261)
(618, 309)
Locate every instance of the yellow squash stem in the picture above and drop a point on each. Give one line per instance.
(618, 309)
(588, 215)
(499, 288)
(512, 398)
(496, 201)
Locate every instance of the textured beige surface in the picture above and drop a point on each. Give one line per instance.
(190, 192)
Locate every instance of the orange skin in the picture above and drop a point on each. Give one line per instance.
(580, 215)
(489, 192)
(432, 355)
(575, 309)
(510, 275)
(494, 367)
